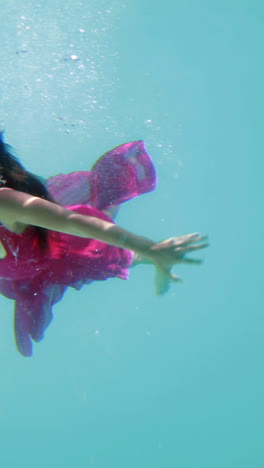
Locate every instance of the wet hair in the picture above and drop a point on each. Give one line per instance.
(15, 176)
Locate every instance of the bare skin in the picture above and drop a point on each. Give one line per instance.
(18, 210)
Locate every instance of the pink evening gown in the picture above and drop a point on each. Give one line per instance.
(37, 279)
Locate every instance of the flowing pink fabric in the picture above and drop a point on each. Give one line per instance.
(36, 280)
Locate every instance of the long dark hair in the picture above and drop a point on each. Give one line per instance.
(15, 176)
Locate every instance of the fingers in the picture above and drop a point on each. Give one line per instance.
(175, 278)
(163, 279)
(162, 282)
(173, 251)
(186, 238)
(190, 239)
(190, 248)
(182, 241)
(192, 261)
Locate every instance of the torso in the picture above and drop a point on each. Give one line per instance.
(2, 251)
(17, 228)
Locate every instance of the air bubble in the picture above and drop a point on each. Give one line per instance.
(74, 57)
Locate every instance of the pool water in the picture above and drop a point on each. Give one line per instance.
(124, 378)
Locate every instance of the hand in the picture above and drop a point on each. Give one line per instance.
(172, 251)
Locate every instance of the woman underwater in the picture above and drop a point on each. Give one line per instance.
(61, 233)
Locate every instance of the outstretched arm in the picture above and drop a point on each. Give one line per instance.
(21, 208)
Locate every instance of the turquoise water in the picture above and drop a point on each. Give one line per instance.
(124, 378)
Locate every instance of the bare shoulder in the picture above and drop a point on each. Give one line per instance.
(7, 194)
(11, 203)
(10, 199)
(23, 208)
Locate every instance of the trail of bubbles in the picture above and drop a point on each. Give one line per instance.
(58, 62)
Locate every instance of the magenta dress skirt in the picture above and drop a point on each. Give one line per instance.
(36, 280)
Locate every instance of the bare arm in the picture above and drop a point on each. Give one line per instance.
(19, 207)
